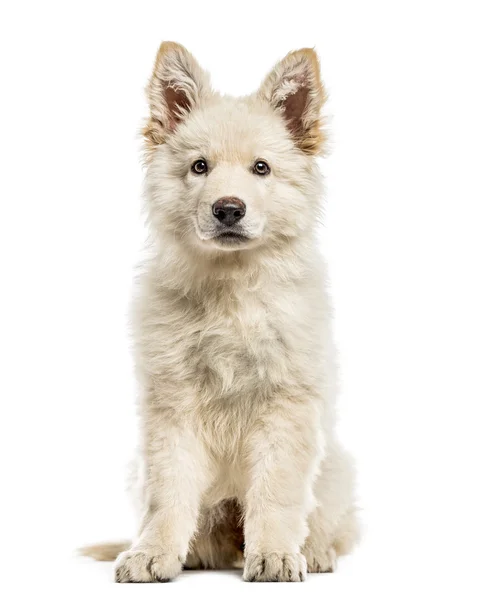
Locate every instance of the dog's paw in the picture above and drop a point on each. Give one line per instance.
(138, 566)
(320, 561)
(275, 567)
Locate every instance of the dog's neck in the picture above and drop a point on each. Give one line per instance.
(193, 273)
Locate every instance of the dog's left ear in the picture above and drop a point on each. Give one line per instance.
(177, 85)
(294, 88)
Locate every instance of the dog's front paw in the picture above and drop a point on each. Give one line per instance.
(139, 566)
(274, 566)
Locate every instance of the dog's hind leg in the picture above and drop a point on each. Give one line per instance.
(333, 524)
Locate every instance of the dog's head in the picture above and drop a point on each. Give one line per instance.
(230, 174)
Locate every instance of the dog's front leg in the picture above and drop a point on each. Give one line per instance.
(176, 476)
(283, 453)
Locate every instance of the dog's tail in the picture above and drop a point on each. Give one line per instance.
(106, 551)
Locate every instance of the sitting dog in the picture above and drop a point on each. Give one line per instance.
(239, 464)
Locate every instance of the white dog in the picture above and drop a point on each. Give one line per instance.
(234, 354)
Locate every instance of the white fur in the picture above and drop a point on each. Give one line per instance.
(233, 346)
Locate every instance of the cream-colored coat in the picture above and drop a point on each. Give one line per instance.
(234, 354)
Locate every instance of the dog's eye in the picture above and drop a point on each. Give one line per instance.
(261, 168)
(200, 167)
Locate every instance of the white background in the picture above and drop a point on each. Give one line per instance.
(399, 235)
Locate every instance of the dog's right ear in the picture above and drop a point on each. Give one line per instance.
(177, 84)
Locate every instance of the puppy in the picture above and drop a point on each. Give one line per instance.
(239, 464)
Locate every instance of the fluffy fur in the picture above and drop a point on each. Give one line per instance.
(239, 463)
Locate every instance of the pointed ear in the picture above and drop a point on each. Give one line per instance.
(176, 86)
(294, 88)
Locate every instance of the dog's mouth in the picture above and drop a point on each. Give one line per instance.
(231, 237)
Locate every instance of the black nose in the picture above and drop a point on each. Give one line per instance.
(228, 210)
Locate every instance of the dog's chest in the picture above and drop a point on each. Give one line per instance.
(241, 346)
